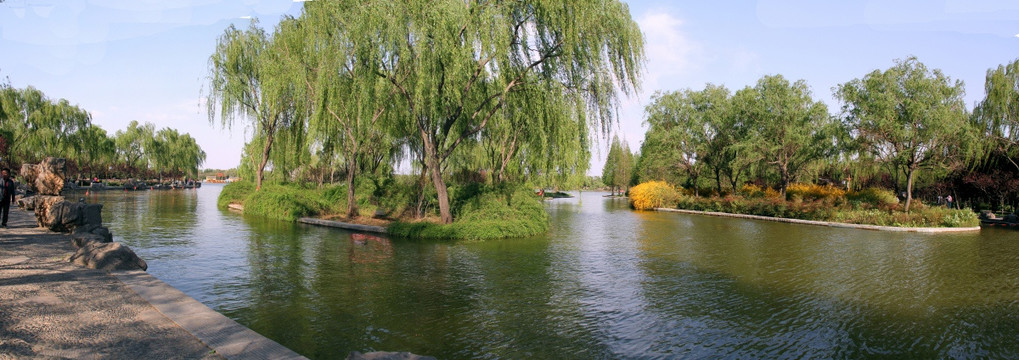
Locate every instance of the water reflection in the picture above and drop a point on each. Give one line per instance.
(605, 282)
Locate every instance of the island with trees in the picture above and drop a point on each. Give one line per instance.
(486, 102)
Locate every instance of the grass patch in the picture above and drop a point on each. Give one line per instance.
(235, 193)
(286, 202)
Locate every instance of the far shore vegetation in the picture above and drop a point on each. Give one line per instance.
(34, 126)
(902, 151)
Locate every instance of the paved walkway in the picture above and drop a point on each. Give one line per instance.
(50, 308)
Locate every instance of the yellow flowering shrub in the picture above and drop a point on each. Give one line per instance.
(751, 191)
(814, 191)
(653, 194)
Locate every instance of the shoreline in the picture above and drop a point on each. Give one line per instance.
(925, 230)
(343, 225)
(144, 316)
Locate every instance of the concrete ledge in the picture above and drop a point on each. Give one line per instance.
(236, 207)
(228, 338)
(928, 230)
(343, 225)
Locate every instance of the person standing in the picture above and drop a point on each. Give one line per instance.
(6, 195)
(949, 200)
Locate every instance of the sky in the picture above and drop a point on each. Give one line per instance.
(147, 60)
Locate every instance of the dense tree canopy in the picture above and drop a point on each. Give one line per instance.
(33, 127)
(909, 116)
(500, 86)
(789, 128)
(456, 64)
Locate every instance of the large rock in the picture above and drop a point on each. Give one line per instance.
(45, 178)
(42, 205)
(57, 214)
(108, 256)
(84, 235)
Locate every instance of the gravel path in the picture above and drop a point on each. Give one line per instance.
(52, 309)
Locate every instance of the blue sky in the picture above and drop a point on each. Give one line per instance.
(147, 60)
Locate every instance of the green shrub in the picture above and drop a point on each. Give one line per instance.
(285, 202)
(875, 197)
(235, 192)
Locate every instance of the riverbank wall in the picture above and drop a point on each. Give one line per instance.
(928, 230)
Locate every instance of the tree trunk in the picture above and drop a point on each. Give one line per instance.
(440, 189)
(351, 201)
(909, 188)
(784, 171)
(718, 180)
(265, 160)
(421, 194)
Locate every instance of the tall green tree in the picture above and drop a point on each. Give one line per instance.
(94, 149)
(997, 115)
(909, 116)
(624, 170)
(790, 129)
(351, 101)
(612, 161)
(37, 126)
(688, 132)
(130, 144)
(455, 64)
(251, 80)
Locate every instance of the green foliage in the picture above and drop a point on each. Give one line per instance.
(285, 202)
(997, 115)
(235, 192)
(252, 79)
(909, 117)
(873, 197)
(38, 127)
(458, 68)
(484, 212)
(689, 132)
(618, 169)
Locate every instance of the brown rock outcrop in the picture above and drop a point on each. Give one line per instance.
(108, 256)
(45, 178)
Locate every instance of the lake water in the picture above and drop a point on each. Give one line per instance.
(605, 282)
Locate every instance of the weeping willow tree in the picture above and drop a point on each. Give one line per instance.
(34, 126)
(252, 80)
(353, 110)
(454, 65)
(997, 115)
